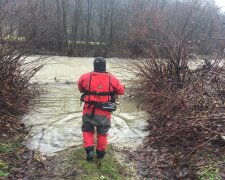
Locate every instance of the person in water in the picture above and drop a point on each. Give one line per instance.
(99, 89)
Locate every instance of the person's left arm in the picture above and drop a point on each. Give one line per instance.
(117, 86)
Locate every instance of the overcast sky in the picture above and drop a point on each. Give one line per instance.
(221, 3)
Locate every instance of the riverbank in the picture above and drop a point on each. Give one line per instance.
(15, 158)
(72, 164)
(187, 124)
(17, 162)
(16, 95)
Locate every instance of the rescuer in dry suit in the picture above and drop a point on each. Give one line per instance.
(99, 89)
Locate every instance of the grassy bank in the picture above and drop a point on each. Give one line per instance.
(210, 166)
(18, 162)
(108, 168)
(7, 160)
(72, 164)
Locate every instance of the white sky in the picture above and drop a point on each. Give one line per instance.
(221, 3)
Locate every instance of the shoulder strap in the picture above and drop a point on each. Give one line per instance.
(88, 92)
(109, 87)
(89, 86)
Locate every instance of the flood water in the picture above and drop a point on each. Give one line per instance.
(56, 120)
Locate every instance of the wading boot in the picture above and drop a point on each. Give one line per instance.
(100, 154)
(89, 152)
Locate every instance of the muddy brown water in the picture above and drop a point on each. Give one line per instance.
(56, 120)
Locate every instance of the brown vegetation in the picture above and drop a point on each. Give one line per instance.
(183, 91)
(16, 72)
(16, 93)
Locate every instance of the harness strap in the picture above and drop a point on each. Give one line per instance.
(89, 86)
(109, 86)
(99, 93)
(93, 111)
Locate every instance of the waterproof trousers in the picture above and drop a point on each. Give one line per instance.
(102, 124)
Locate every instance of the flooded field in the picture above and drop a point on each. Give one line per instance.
(56, 120)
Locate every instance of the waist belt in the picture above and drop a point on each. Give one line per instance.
(111, 94)
(107, 106)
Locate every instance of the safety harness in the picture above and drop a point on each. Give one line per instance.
(108, 106)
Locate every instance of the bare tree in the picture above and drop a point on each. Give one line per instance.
(75, 25)
(64, 22)
(69, 26)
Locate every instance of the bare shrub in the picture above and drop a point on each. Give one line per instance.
(16, 71)
(181, 87)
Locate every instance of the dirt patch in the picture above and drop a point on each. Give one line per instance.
(161, 164)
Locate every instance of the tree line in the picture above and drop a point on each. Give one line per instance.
(110, 27)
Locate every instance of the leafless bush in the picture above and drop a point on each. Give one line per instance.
(186, 103)
(184, 120)
(16, 71)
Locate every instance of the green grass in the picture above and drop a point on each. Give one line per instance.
(6, 148)
(210, 172)
(84, 42)
(211, 169)
(3, 169)
(107, 168)
(9, 146)
(13, 38)
(208, 164)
